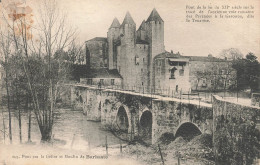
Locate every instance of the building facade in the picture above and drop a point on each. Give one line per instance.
(171, 74)
(140, 60)
(96, 53)
(130, 51)
(211, 74)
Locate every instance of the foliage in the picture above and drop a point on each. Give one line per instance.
(236, 142)
(219, 74)
(248, 72)
(37, 61)
(231, 54)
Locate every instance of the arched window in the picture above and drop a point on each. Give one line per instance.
(172, 76)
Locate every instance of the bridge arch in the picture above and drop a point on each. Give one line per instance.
(187, 130)
(146, 121)
(123, 119)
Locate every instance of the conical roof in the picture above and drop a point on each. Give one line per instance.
(154, 16)
(115, 23)
(128, 19)
(142, 26)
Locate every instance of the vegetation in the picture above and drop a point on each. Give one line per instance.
(236, 143)
(37, 59)
(248, 72)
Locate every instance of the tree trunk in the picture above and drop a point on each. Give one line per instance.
(197, 84)
(3, 124)
(46, 134)
(8, 105)
(19, 112)
(29, 116)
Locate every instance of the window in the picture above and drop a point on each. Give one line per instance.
(172, 76)
(89, 82)
(105, 62)
(102, 81)
(228, 83)
(136, 60)
(212, 82)
(181, 72)
(204, 82)
(112, 81)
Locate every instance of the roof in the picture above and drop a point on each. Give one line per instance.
(102, 73)
(115, 23)
(138, 41)
(104, 39)
(154, 16)
(128, 19)
(142, 26)
(205, 59)
(170, 55)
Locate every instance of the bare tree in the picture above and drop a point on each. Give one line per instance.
(56, 35)
(6, 50)
(43, 73)
(76, 53)
(231, 54)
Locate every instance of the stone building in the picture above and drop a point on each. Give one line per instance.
(208, 73)
(129, 51)
(139, 57)
(171, 73)
(96, 53)
(103, 77)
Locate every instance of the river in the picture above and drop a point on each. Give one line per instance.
(70, 130)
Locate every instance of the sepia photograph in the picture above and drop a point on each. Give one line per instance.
(129, 82)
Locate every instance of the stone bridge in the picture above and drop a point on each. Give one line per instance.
(144, 116)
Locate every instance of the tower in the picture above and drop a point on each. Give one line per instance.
(112, 36)
(155, 37)
(141, 33)
(127, 55)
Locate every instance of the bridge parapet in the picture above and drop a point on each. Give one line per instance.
(235, 125)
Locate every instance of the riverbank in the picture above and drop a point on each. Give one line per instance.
(197, 151)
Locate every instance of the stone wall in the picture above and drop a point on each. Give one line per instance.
(207, 73)
(228, 111)
(97, 53)
(236, 131)
(106, 81)
(168, 116)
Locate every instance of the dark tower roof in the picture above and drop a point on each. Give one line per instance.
(154, 16)
(115, 23)
(128, 19)
(142, 26)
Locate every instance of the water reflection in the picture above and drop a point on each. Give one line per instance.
(71, 130)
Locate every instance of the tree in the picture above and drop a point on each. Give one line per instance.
(42, 71)
(248, 72)
(231, 54)
(218, 71)
(236, 142)
(5, 47)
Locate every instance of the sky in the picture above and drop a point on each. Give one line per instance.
(93, 18)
